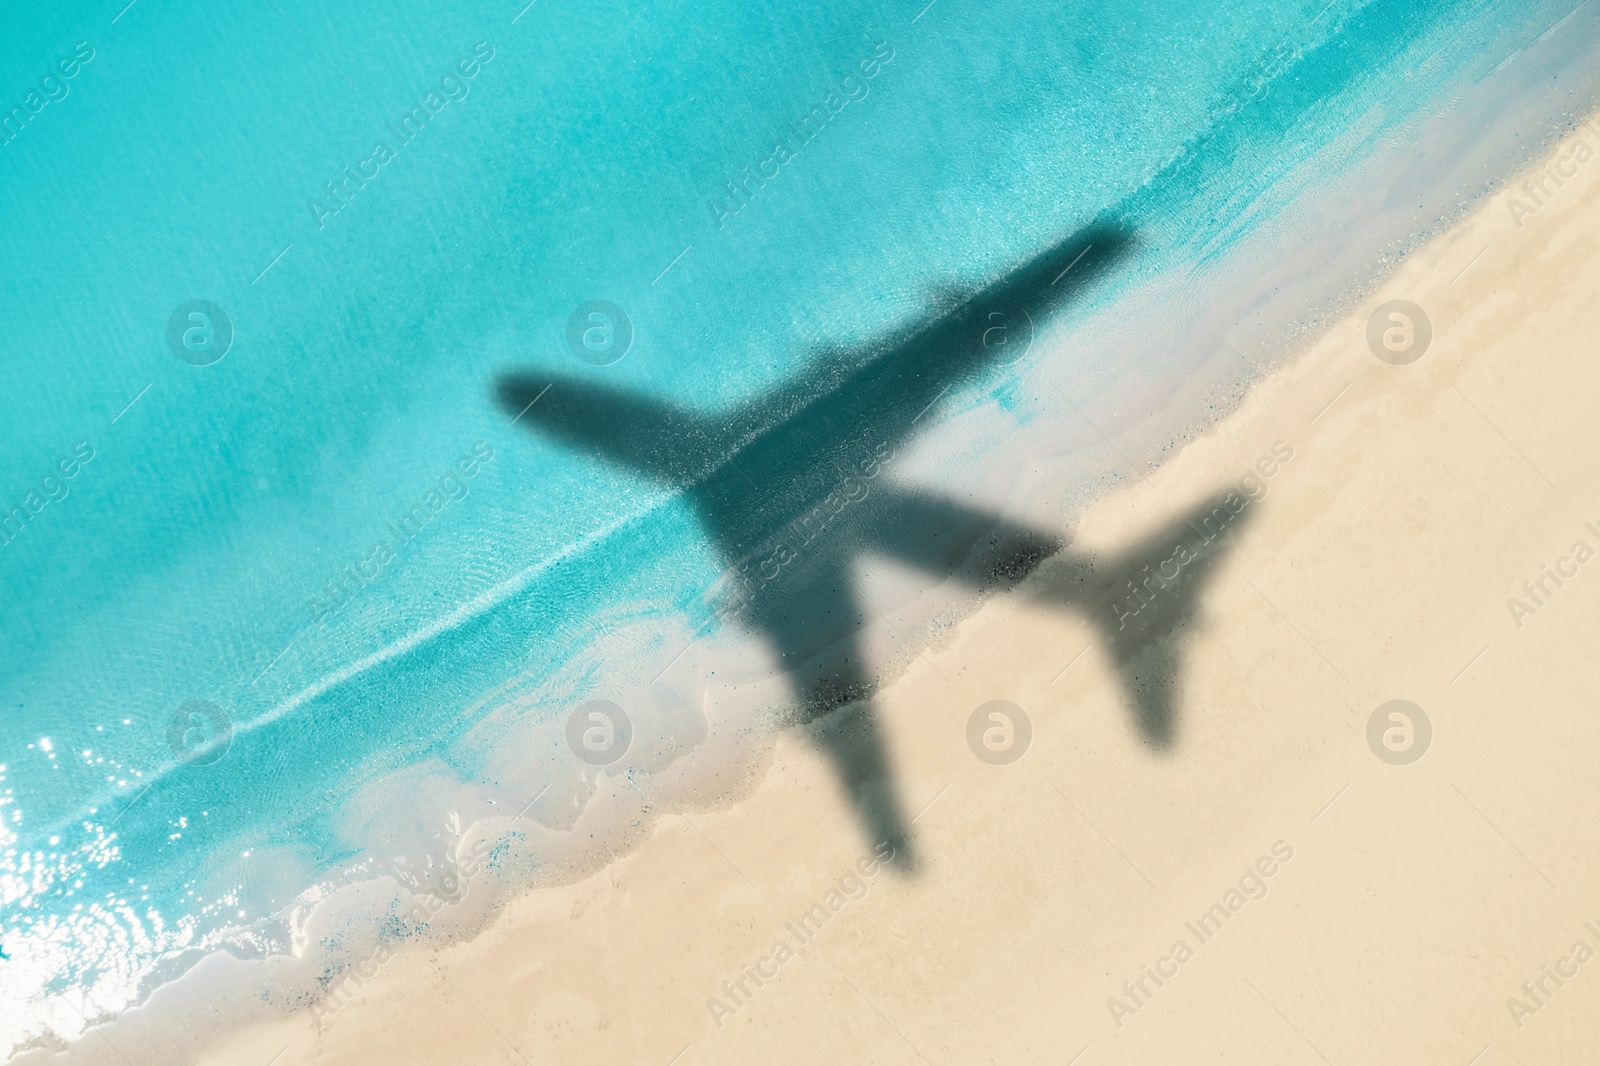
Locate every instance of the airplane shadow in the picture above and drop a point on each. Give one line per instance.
(790, 491)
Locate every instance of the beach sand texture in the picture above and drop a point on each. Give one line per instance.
(1265, 888)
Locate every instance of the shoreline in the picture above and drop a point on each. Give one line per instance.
(1083, 865)
(743, 778)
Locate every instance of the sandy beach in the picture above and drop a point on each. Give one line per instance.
(1285, 881)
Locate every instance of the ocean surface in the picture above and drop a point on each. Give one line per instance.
(290, 592)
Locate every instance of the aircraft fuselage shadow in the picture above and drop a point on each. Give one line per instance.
(788, 490)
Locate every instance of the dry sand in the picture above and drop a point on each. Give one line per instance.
(1407, 904)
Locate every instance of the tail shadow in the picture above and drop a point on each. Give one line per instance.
(1145, 602)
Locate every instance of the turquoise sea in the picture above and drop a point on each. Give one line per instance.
(288, 588)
